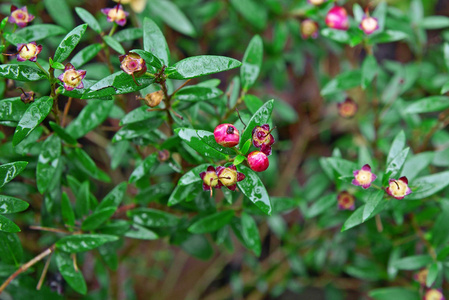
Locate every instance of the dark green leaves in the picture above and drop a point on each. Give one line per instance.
(260, 117)
(429, 104)
(7, 225)
(72, 276)
(85, 55)
(252, 62)
(12, 109)
(69, 43)
(203, 142)
(197, 93)
(154, 41)
(201, 65)
(83, 242)
(173, 16)
(21, 73)
(10, 205)
(60, 12)
(374, 205)
(33, 116)
(144, 168)
(253, 188)
(48, 162)
(36, 33)
(88, 18)
(111, 42)
(68, 216)
(428, 185)
(152, 217)
(11, 170)
(212, 222)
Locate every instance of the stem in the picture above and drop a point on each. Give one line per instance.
(49, 229)
(443, 121)
(182, 85)
(43, 70)
(113, 29)
(26, 266)
(53, 94)
(66, 111)
(44, 273)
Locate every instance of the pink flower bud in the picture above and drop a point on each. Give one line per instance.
(309, 29)
(337, 18)
(20, 16)
(398, 188)
(364, 177)
(133, 64)
(346, 201)
(226, 135)
(28, 51)
(258, 161)
(262, 138)
(116, 14)
(72, 78)
(347, 109)
(229, 176)
(369, 24)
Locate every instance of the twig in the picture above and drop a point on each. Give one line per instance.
(182, 85)
(44, 272)
(66, 111)
(50, 229)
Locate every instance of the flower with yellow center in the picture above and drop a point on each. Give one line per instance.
(346, 201)
(363, 177)
(20, 16)
(116, 14)
(72, 78)
(229, 176)
(136, 5)
(369, 24)
(433, 294)
(28, 51)
(398, 188)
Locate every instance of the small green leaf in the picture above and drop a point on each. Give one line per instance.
(74, 278)
(57, 65)
(260, 117)
(180, 193)
(85, 55)
(68, 216)
(369, 71)
(21, 73)
(414, 262)
(36, 33)
(359, 216)
(212, 222)
(342, 82)
(397, 146)
(252, 62)
(197, 246)
(340, 36)
(321, 205)
(82, 204)
(429, 104)
(246, 147)
(11, 250)
(145, 168)
(170, 13)
(128, 34)
(197, 66)
(387, 36)
(12, 109)
(193, 175)
(396, 164)
(10, 205)
(197, 93)
(84, 162)
(152, 218)
(33, 116)
(7, 225)
(435, 22)
(343, 167)
(97, 218)
(48, 162)
(111, 42)
(432, 274)
(394, 293)
(203, 142)
(137, 129)
(253, 188)
(426, 186)
(62, 133)
(11, 170)
(88, 18)
(154, 41)
(83, 242)
(252, 11)
(373, 201)
(238, 160)
(60, 12)
(137, 231)
(114, 197)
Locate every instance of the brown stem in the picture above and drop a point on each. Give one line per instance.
(66, 111)
(50, 229)
(443, 121)
(26, 266)
(44, 272)
(182, 85)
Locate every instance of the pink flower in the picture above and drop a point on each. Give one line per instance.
(132, 64)
(228, 176)
(227, 135)
(346, 201)
(347, 109)
(369, 24)
(72, 78)
(364, 177)
(337, 18)
(210, 179)
(398, 188)
(309, 29)
(262, 138)
(258, 161)
(434, 294)
(116, 14)
(20, 16)
(28, 51)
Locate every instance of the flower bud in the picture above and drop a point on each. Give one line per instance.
(72, 78)
(316, 2)
(210, 179)
(153, 99)
(258, 161)
(132, 64)
(28, 51)
(226, 135)
(347, 109)
(337, 18)
(26, 97)
(262, 138)
(369, 24)
(20, 16)
(434, 294)
(116, 14)
(398, 188)
(309, 29)
(346, 201)
(163, 155)
(229, 176)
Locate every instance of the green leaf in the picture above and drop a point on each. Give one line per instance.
(446, 56)
(117, 84)
(111, 42)
(212, 222)
(11, 170)
(369, 71)
(12, 109)
(84, 56)
(7, 225)
(33, 116)
(252, 11)
(432, 274)
(415, 164)
(250, 234)
(152, 218)
(62, 133)
(246, 147)
(201, 141)
(340, 36)
(196, 66)
(197, 246)
(359, 215)
(145, 168)
(68, 216)
(97, 218)
(82, 204)
(343, 167)
(434, 22)
(60, 12)
(137, 129)
(74, 278)
(193, 175)
(394, 293)
(397, 146)
(373, 201)
(90, 117)
(128, 34)
(414, 262)
(83, 242)
(36, 33)
(154, 41)
(260, 117)
(180, 193)
(396, 164)
(321, 205)
(428, 104)
(428, 185)
(154, 64)
(387, 36)
(253, 188)
(48, 162)
(114, 197)
(21, 73)
(139, 232)
(238, 160)
(84, 162)
(88, 18)
(197, 93)
(252, 62)
(170, 13)
(440, 229)
(341, 82)
(10, 205)
(57, 65)
(11, 250)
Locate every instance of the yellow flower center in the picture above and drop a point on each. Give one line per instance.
(211, 179)
(433, 295)
(72, 78)
(116, 14)
(398, 188)
(317, 2)
(364, 177)
(28, 51)
(228, 177)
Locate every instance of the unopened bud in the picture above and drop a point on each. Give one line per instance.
(153, 99)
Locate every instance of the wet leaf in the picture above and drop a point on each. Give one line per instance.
(152, 217)
(88, 18)
(12, 109)
(67, 269)
(252, 62)
(83, 242)
(10, 170)
(111, 42)
(170, 13)
(47, 163)
(197, 66)
(212, 222)
(21, 72)
(85, 55)
(260, 117)
(68, 215)
(10, 205)
(145, 168)
(253, 188)
(69, 42)
(7, 225)
(154, 41)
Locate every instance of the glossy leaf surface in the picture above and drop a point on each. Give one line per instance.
(260, 117)
(21, 72)
(197, 66)
(253, 188)
(88, 18)
(47, 162)
(69, 42)
(10, 170)
(83, 242)
(252, 62)
(212, 222)
(72, 276)
(154, 41)
(152, 217)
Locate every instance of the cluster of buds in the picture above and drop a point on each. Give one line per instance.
(337, 18)
(221, 176)
(263, 139)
